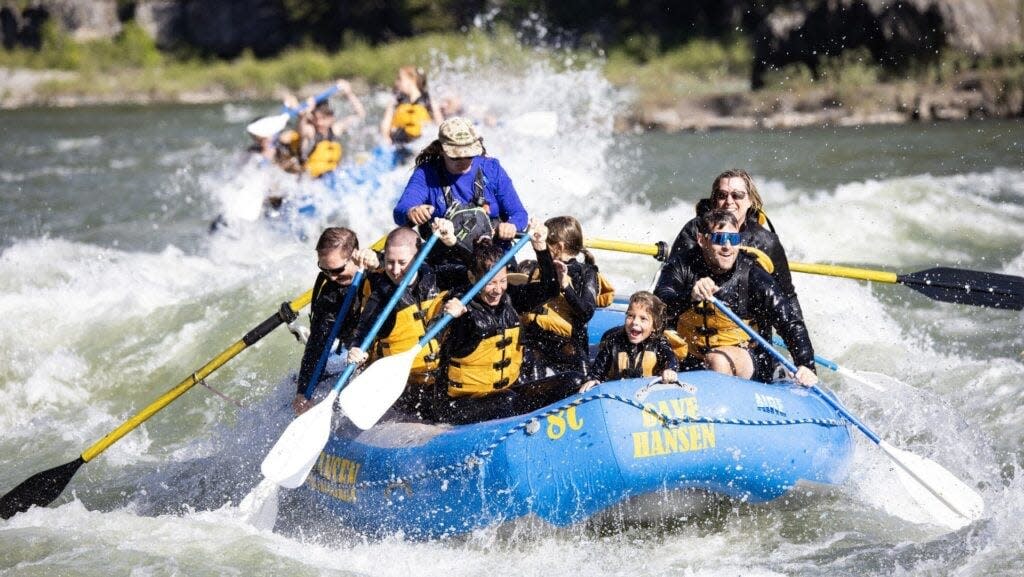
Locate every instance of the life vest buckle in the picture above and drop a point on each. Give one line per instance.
(502, 343)
(706, 331)
(504, 363)
(501, 384)
(419, 315)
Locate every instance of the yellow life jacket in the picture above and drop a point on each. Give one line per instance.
(409, 118)
(679, 345)
(324, 158)
(410, 325)
(704, 327)
(605, 291)
(555, 316)
(763, 260)
(493, 365)
(625, 365)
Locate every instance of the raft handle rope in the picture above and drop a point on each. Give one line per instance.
(216, 392)
(478, 458)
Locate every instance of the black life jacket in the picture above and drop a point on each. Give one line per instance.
(472, 220)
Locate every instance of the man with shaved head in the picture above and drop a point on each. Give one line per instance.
(408, 322)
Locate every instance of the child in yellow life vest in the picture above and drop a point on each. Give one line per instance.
(636, 349)
(482, 353)
(556, 332)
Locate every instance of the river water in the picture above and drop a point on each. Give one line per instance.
(112, 291)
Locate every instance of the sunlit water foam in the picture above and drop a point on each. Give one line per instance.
(552, 173)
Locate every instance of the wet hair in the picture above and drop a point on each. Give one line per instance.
(433, 153)
(324, 108)
(567, 230)
(402, 236)
(485, 255)
(654, 305)
(713, 219)
(756, 204)
(337, 238)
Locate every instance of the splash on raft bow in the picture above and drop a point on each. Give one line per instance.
(618, 444)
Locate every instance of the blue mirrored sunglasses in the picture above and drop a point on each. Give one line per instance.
(720, 238)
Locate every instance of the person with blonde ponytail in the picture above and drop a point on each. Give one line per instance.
(735, 191)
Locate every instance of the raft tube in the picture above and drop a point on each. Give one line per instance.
(564, 464)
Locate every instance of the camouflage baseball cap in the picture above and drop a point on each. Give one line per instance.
(459, 139)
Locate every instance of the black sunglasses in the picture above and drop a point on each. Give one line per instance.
(724, 194)
(333, 271)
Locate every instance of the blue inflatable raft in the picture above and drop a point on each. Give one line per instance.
(612, 446)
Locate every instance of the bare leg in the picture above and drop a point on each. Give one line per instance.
(731, 361)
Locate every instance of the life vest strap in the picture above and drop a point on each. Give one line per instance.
(706, 331)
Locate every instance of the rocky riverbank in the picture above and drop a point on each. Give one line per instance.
(814, 63)
(970, 96)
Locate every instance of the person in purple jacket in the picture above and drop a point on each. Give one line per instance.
(455, 179)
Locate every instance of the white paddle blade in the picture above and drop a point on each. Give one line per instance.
(268, 125)
(860, 378)
(365, 400)
(949, 500)
(292, 458)
(540, 123)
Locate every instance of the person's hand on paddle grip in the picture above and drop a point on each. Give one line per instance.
(420, 213)
(356, 356)
(505, 231)
(589, 385)
(703, 289)
(455, 308)
(300, 404)
(805, 376)
(538, 232)
(366, 258)
(669, 376)
(445, 231)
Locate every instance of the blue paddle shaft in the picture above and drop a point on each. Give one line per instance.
(785, 362)
(410, 273)
(820, 360)
(335, 329)
(318, 99)
(475, 289)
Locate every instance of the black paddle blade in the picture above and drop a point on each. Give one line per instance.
(969, 287)
(39, 489)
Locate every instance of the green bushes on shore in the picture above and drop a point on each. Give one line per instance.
(130, 67)
(131, 63)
